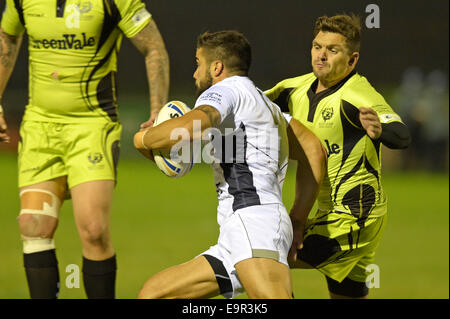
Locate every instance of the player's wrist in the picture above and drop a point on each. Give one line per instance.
(139, 142)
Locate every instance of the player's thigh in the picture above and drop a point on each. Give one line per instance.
(193, 279)
(93, 154)
(92, 206)
(91, 163)
(40, 204)
(265, 278)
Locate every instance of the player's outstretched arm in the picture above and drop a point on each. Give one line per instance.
(306, 148)
(151, 44)
(9, 49)
(159, 137)
(394, 135)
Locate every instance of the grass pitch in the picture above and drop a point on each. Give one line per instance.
(158, 222)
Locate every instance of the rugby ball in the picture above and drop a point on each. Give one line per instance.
(176, 165)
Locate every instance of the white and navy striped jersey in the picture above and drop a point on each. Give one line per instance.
(250, 145)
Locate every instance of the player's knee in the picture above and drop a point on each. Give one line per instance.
(94, 233)
(32, 225)
(39, 214)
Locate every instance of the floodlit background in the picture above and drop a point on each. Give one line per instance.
(158, 222)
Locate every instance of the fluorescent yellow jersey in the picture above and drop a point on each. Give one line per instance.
(73, 47)
(352, 185)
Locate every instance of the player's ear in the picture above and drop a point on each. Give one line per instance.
(354, 57)
(217, 68)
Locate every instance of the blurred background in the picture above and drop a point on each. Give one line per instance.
(405, 58)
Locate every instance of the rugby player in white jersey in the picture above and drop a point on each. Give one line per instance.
(255, 229)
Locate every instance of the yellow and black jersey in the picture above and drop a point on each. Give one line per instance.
(73, 47)
(353, 181)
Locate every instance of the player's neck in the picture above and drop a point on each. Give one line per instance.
(225, 75)
(323, 85)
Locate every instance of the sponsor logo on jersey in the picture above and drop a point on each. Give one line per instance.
(332, 148)
(67, 42)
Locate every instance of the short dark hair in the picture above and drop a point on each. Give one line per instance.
(347, 25)
(229, 46)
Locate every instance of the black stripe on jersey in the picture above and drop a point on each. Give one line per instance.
(352, 134)
(360, 201)
(347, 177)
(239, 177)
(111, 19)
(351, 114)
(283, 100)
(19, 8)
(240, 185)
(60, 8)
(115, 150)
(352, 131)
(105, 95)
(107, 106)
(314, 99)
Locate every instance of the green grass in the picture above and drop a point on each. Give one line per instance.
(158, 222)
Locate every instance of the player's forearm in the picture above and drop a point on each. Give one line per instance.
(311, 167)
(307, 149)
(157, 65)
(151, 44)
(167, 134)
(395, 135)
(306, 191)
(9, 49)
(310, 173)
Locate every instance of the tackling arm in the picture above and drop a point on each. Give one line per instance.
(394, 135)
(306, 148)
(150, 43)
(9, 49)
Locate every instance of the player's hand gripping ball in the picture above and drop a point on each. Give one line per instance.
(178, 164)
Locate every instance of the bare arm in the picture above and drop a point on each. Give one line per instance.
(9, 49)
(150, 43)
(306, 148)
(158, 137)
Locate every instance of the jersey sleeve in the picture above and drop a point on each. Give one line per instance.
(279, 95)
(221, 98)
(365, 95)
(274, 92)
(134, 16)
(11, 21)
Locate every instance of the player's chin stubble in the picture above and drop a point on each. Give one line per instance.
(202, 86)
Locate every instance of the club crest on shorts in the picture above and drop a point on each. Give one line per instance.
(95, 157)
